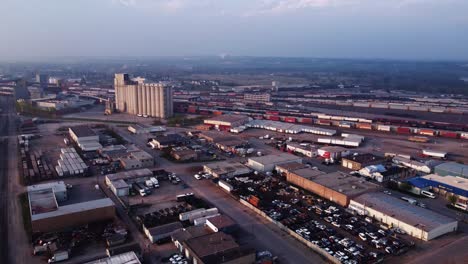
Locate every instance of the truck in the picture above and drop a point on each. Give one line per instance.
(140, 189)
(59, 256)
(409, 200)
(155, 182)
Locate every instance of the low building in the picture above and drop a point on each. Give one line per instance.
(162, 232)
(184, 154)
(136, 160)
(226, 122)
(291, 166)
(303, 149)
(414, 220)
(85, 138)
(82, 134)
(184, 234)
(120, 182)
(48, 214)
(226, 169)
(332, 152)
(144, 129)
(124, 258)
(269, 162)
(217, 248)
(445, 186)
(113, 152)
(337, 187)
(412, 164)
(170, 140)
(383, 173)
(452, 169)
(221, 223)
(357, 162)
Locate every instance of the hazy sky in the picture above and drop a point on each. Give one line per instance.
(408, 29)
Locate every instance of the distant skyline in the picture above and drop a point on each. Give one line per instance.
(388, 29)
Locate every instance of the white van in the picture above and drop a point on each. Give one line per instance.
(461, 206)
(428, 194)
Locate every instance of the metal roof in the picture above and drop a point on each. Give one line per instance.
(403, 211)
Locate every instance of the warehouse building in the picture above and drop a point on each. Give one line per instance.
(120, 182)
(226, 169)
(217, 248)
(162, 232)
(269, 162)
(184, 234)
(359, 161)
(452, 169)
(445, 186)
(291, 166)
(136, 160)
(221, 223)
(337, 187)
(184, 154)
(416, 221)
(85, 138)
(303, 149)
(226, 122)
(144, 129)
(49, 211)
(124, 258)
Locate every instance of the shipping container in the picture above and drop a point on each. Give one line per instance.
(254, 200)
(290, 119)
(364, 126)
(383, 128)
(272, 113)
(403, 130)
(305, 120)
(448, 134)
(426, 132)
(419, 139)
(324, 122)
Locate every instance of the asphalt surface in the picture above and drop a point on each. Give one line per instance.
(5, 133)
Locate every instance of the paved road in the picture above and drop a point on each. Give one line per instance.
(4, 197)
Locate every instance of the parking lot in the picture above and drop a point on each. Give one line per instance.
(349, 238)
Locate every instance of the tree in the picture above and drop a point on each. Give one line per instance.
(452, 199)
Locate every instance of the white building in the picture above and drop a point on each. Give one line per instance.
(268, 163)
(414, 220)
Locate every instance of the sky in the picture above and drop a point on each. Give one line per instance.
(393, 29)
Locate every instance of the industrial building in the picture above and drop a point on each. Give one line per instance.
(140, 98)
(359, 161)
(144, 129)
(184, 154)
(157, 233)
(217, 248)
(119, 183)
(269, 162)
(306, 150)
(347, 140)
(221, 223)
(416, 221)
(184, 234)
(412, 164)
(226, 122)
(257, 97)
(226, 169)
(337, 187)
(167, 141)
(85, 138)
(332, 152)
(289, 128)
(49, 213)
(124, 258)
(291, 166)
(452, 169)
(136, 160)
(443, 185)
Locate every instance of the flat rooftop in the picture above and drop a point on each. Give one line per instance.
(226, 166)
(364, 158)
(74, 208)
(83, 131)
(403, 211)
(338, 181)
(459, 182)
(124, 258)
(42, 201)
(211, 244)
(124, 175)
(275, 158)
(221, 221)
(227, 118)
(291, 166)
